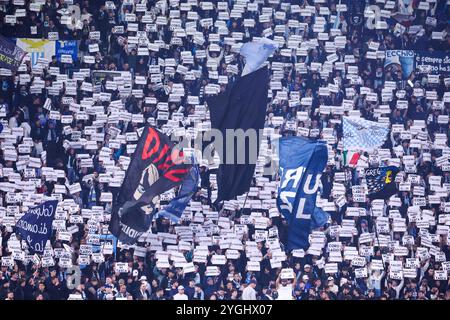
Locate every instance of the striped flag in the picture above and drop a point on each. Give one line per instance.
(361, 134)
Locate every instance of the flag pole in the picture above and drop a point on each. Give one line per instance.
(245, 201)
(378, 240)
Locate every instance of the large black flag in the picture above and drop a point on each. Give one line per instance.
(241, 106)
(154, 168)
(381, 182)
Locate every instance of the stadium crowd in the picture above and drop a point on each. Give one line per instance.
(69, 131)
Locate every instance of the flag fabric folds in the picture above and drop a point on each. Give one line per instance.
(319, 218)
(302, 162)
(361, 134)
(354, 159)
(35, 226)
(177, 205)
(154, 168)
(241, 106)
(381, 182)
(11, 56)
(337, 20)
(256, 54)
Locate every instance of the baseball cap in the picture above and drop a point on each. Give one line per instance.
(143, 278)
(180, 288)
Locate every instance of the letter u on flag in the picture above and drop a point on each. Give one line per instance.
(302, 162)
(35, 226)
(361, 134)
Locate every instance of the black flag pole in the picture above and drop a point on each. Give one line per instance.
(378, 240)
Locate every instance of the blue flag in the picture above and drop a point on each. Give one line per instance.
(302, 162)
(381, 182)
(11, 56)
(177, 205)
(35, 227)
(69, 47)
(319, 218)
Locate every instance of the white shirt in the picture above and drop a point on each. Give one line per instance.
(249, 294)
(12, 123)
(285, 292)
(26, 129)
(179, 296)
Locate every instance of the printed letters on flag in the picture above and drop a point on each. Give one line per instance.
(302, 162)
(403, 58)
(381, 182)
(361, 134)
(11, 56)
(35, 227)
(154, 168)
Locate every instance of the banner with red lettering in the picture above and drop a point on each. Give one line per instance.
(156, 166)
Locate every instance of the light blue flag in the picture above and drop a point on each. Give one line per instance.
(361, 134)
(338, 20)
(256, 54)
